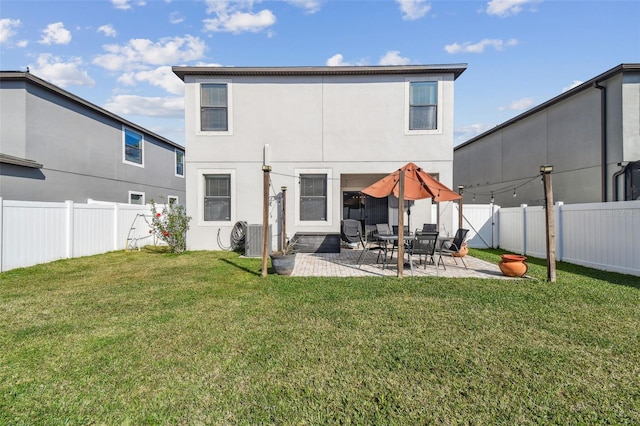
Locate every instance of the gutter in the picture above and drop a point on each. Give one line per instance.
(603, 138)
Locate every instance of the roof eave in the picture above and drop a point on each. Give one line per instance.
(455, 69)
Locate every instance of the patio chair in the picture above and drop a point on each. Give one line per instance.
(430, 227)
(352, 232)
(449, 249)
(385, 229)
(424, 244)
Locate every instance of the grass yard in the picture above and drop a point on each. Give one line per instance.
(201, 338)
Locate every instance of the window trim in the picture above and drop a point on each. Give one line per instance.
(201, 191)
(229, 131)
(137, 193)
(176, 162)
(314, 223)
(439, 108)
(124, 147)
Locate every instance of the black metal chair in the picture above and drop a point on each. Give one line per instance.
(424, 244)
(430, 227)
(449, 249)
(352, 233)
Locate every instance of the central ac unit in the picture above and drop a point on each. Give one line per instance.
(253, 241)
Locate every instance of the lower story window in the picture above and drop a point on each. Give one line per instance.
(136, 197)
(217, 197)
(313, 197)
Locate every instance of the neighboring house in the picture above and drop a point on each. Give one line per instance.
(55, 146)
(331, 131)
(589, 134)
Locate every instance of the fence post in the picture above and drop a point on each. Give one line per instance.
(116, 213)
(558, 220)
(523, 231)
(70, 212)
(1, 234)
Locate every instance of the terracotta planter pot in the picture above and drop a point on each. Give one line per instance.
(464, 250)
(513, 265)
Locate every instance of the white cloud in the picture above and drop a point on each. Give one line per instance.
(519, 105)
(393, 58)
(337, 60)
(176, 18)
(22, 43)
(55, 33)
(161, 77)
(60, 73)
(504, 8)
(138, 53)
(575, 83)
(236, 16)
(107, 30)
(413, 9)
(465, 133)
(126, 4)
(479, 47)
(309, 6)
(239, 22)
(7, 27)
(147, 106)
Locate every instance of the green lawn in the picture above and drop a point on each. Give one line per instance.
(201, 338)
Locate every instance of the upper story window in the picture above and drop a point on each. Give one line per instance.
(179, 163)
(217, 197)
(133, 148)
(214, 107)
(423, 105)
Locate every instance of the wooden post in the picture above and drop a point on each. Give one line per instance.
(460, 188)
(549, 219)
(284, 216)
(401, 224)
(265, 216)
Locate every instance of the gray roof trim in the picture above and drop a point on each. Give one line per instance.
(456, 69)
(10, 159)
(26, 76)
(586, 85)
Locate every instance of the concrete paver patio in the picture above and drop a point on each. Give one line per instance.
(345, 264)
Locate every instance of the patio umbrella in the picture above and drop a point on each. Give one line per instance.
(418, 185)
(410, 182)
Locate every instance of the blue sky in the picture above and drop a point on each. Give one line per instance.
(118, 54)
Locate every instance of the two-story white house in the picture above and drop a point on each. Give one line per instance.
(331, 132)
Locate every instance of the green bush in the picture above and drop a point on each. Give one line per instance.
(171, 225)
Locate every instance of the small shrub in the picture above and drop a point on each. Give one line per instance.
(171, 225)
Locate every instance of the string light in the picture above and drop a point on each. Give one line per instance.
(492, 197)
(514, 193)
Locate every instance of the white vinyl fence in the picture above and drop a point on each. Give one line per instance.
(599, 235)
(34, 232)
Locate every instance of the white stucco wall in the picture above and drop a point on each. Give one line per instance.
(336, 124)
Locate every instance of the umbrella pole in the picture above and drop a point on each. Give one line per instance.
(401, 224)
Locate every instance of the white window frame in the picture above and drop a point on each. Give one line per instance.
(439, 108)
(201, 190)
(172, 197)
(229, 130)
(175, 166)
(124, 147)
(137, 193)
(314, 223)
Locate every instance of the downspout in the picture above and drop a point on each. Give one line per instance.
(614, 180)
(603, 139)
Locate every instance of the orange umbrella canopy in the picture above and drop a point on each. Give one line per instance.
(418, 185)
